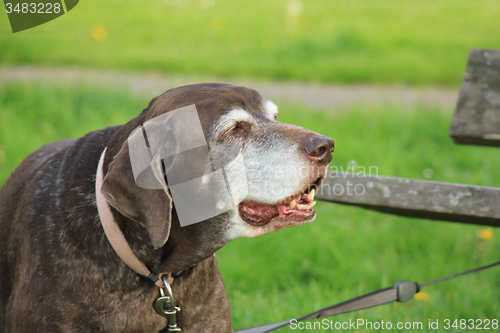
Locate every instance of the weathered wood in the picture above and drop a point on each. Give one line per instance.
(415, 198)
(477, 116)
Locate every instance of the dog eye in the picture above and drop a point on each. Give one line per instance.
(240, 129)
(276, 116)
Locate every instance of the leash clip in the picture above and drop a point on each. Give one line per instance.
(166, 307)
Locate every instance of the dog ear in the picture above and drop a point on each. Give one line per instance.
(150, 207)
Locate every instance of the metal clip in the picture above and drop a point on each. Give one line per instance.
(165, 306)
(406, 290)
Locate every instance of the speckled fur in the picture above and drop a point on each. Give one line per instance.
(58, 272)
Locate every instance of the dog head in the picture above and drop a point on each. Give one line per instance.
(281, 167)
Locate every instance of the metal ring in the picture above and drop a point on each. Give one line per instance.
(168, 290)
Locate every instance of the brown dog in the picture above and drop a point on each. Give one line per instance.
(58, 272)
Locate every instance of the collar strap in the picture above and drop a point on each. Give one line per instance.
(116, 237)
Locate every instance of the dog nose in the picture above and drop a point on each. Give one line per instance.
(318, 148)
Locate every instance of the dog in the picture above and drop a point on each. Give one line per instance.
(58, 270)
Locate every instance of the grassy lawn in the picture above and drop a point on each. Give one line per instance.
(347, 251)
(345, 41)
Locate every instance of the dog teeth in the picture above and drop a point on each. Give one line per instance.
(307, 206)
(312, 194)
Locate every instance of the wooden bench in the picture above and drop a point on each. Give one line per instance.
(476, 122)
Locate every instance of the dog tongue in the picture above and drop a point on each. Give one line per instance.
(258, 213)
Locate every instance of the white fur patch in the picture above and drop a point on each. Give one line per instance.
(271, 110)
(274, 170)
(227, 120)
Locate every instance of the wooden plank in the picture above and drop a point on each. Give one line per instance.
(415, 198)
(477, 116)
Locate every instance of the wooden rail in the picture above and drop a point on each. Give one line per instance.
(415, 198)
(477, 122)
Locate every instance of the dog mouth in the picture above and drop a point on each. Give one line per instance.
(296, 208)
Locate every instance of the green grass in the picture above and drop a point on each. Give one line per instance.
(370, 41)
(347, 251)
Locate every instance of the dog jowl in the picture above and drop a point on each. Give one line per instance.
(58, 271)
